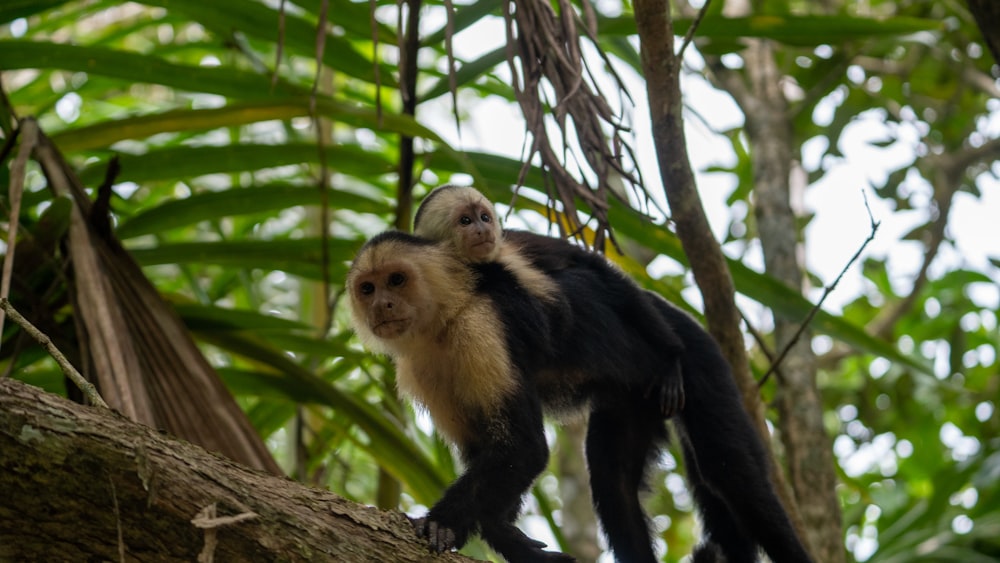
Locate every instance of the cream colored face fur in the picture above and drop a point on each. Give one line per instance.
(465, 219)
(418, 305)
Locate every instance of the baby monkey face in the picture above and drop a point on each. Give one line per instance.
(477, 231)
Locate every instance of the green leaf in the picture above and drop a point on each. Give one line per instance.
(394, 450)
(766, 290)
(205, 318)
(186, 162)
(257, 20)
(464, 17)
(239, 201)
(805, 31)
(147, 69)
(13, 9)
(103, 134)
(301, 257)
(466, 73)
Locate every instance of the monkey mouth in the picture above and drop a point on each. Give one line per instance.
(483, 248)
(391, 328)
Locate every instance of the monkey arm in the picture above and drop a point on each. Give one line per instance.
(501, 464)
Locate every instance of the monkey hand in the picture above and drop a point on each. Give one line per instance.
(668, 392)
(440, 536)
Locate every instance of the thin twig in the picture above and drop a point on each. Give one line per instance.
(88, 388)
(758, 337)
(449, 34)
(320, 50)
(324, 171)
(826, 292)
(689, 36)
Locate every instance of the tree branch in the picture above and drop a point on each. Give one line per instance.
(67, 368)
(80, 483)
(819, 304)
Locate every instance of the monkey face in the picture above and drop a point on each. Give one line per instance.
(477, 232)
(462, 217)
(384, 296)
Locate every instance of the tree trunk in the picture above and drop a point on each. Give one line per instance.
(808, 451)
(80, 483)
(807, 448)
(661, 68)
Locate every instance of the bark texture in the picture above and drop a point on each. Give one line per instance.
(85, 484)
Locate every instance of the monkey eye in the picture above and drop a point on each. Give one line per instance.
(465, 220)
(485, 217)
(367, 288)
(397, 279)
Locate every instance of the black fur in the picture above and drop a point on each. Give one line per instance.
(727, 467)
(609, 329)
(618, 355)
(617, 350)
(620, 350)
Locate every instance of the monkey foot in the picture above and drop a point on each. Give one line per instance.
(440, 537)
(668, 393)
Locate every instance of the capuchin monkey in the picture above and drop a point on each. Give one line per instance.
(466, 340)
(726, 462)
(611, 328)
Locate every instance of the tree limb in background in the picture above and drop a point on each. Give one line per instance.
(160, 487)
(661, 69)
(409, 49)
(807, 449)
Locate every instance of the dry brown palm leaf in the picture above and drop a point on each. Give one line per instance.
(136, 349)
(545, 58)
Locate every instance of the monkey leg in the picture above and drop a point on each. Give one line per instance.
(502, 462)
(620, 445)
(516, 547)
(727, 462)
